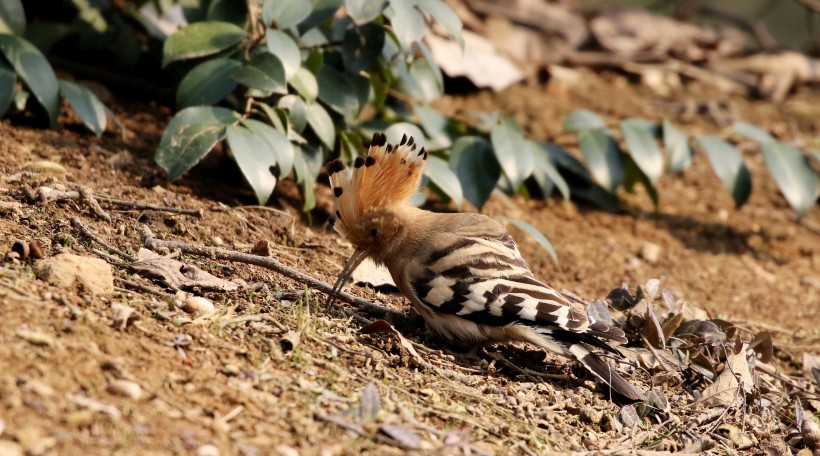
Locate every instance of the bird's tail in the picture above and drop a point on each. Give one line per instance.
(602, 370)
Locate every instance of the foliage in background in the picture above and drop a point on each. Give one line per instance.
(43, 91)
(289, 85)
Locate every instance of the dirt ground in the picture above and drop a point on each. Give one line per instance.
(234, 382)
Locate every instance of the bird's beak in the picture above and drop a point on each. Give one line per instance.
(355, 260)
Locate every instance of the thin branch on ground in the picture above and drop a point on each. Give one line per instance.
(151, 242)
(45, 194)
(140, 287)
(80, 226)
(150, 207)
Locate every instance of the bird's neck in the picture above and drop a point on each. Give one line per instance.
(394, 253)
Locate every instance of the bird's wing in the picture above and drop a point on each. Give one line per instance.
(484, 279)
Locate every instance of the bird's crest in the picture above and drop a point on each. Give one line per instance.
(389, 175)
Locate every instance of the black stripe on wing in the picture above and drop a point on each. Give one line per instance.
(504, 302)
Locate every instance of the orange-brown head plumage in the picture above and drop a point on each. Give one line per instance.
(369, 196)
(364, 194)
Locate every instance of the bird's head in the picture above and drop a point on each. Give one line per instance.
(370, 195)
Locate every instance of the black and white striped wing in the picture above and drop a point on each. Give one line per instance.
(485, 280)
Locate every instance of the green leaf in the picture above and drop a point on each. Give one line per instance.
(200, 39)
(477, 169)
(752, 132)
(283, 14)
(21, 99)
(434, 124)
(421, 81)
(307, 164)
(349, 146)
(12, 17)
(8, 85)
(395, 132)
(282, 46)
(274, 144)
(603, 157)
(583, 119)
(729, 166)
(511, 151)
(445, 179)
(364, 11)
(337, 92)
(86, 105)
(305, 83)
(643, 148)
(407, 21)
(277, 117)
(796, 179)
(45, 34)
(189, 136)
(535, 233)
(635, 175)
(207, 83)
(362, 46)
(323, 10)
(321, 124)
(677, 148)
(264, 73)
(228, 11)
(545, 173)
(297, 109)
(445, 16)
(583, 188)
(313, 39)
(255, 164)
(35, 71)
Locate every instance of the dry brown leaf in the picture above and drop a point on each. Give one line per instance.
(725, 391)
(177, 274)
(401, 434)
(370, 403)
(381, 326)
(811, 368)
(479, 62)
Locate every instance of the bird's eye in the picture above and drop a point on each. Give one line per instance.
(374, 232)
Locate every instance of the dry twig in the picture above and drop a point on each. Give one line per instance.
(153, 243)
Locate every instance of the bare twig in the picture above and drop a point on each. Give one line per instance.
(256, 317)
(150, 207)
(141, 287)
(46, 194)
(86, 231)
(533, 375)
(153, 243)
(88, 196)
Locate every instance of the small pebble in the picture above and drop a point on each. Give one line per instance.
(811, 434)
(231, 370)
(9, 448)
(37, 251)
(284, 450)
(22, 248)
(125, 388)
(216, 241)
(650, 252)
(207, 450)
(36, 338)
(198, 304)
(810, 281)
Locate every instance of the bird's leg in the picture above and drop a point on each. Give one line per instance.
(474, 353)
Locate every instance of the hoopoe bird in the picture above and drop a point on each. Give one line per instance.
(462, 272)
